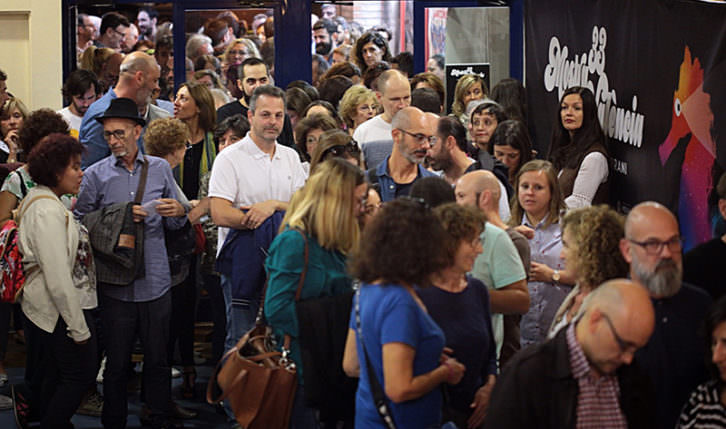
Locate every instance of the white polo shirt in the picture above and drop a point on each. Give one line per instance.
(245, 175)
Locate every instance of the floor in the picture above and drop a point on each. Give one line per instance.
(208, 416)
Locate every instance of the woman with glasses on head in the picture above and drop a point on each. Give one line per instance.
(393, 344)
(335, 143)
(591, 251)
(536, 211)
(468, 330)
(322, 218)
(307, 135)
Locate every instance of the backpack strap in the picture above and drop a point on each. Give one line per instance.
(26, 203)
(23, 188)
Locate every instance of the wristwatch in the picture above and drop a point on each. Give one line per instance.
(556, 276)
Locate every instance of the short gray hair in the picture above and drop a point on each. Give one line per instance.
(268, 90)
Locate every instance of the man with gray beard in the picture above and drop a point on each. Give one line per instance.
(673, 357)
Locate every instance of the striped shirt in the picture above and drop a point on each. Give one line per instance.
(597, 400)
(704, 408)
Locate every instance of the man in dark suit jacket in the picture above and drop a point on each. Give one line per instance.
(584, 375)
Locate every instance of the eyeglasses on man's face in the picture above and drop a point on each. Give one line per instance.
(655, 247)
(421, 138)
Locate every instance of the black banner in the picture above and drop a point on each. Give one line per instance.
(657, 70)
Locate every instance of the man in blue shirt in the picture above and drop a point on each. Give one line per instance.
(138, 78)
(413, 134)
(144, 306)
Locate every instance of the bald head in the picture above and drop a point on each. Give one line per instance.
(616, 319)
(407, 117)
(480, 188)
(391, 77)
(644, 214)
(138, 61)
(139, 78)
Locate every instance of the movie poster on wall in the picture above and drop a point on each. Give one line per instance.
(656, 70)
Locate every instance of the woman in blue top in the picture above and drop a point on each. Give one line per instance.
(468, 328)
(402, 247)
(326, 211)
(536, 214)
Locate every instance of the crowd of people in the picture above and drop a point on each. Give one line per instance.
(480, 283)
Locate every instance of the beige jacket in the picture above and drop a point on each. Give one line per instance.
(48, 241)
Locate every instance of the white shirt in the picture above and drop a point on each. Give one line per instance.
(593, 171)
(374, 129)
(74, 121)
(245, 175)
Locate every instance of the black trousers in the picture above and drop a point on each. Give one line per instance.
(121, 322)
(68, 371)
(183, 315)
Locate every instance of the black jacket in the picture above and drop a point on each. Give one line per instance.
(537, 389)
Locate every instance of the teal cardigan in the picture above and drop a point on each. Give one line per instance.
(326, 276)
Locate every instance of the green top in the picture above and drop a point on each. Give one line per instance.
(326, 276)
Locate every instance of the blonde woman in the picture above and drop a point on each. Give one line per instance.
(469, 87)
(325, 210)
(236, 52)
(358, 105)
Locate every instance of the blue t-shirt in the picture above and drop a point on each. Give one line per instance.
(389, 314)
(466, 321)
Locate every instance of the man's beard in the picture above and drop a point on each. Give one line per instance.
(323, 48)
(663, 281)
(246, 98)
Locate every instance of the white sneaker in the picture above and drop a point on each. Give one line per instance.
(175, 373)
(99, 377)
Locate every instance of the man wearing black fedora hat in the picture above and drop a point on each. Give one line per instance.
(138, 78)
(144, 306)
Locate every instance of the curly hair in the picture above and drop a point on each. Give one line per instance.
(51, 156)
(374, 38)
(401, 245)
(596, 231)
(462, 223)
(164, 136)
(39, 124)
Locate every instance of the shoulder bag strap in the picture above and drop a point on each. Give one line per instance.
(379, 398)
(23, 188)
(142, 181)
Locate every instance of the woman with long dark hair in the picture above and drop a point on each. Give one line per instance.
(578, 150)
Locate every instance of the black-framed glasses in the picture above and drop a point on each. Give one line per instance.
(119, 134)
(655, 246)
(625, 346)
(421, 138)
(340, 150)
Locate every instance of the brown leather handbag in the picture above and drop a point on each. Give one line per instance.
(258, 380)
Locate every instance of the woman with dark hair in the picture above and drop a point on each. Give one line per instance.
(390, 331)
(344, 68)
(296, 100)
(324, 108)
(579, 150)
(37, 125)
(369, 49)
(308, 132)
(536, 207)
(484, 117)
(468, 330)
(322, 224)
(512, 146)
(335, 143)
(510, 94)
(333, 88)
(429, 80)
(60, 287)
(707, 405)
(194, 105)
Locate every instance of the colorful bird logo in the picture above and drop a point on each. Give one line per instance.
(689, 151)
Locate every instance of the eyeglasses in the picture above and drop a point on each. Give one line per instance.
(421, 138)
(625, 346)
(655, 246)
(340, 150)
(120, 33)
(119, 134)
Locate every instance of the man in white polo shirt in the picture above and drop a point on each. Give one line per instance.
(251, 180)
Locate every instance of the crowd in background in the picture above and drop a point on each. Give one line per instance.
(480, 265)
